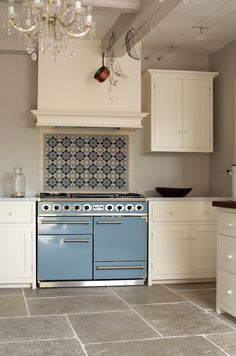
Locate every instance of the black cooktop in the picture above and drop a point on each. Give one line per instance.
(89, 195)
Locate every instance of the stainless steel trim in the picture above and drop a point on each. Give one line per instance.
(65, 222)
(102, 283)
(106, 222)
(118, 267)
(91, 214)
(71, 240)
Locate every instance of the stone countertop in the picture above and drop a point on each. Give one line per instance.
(188, 198)
(225, 204)
(25, 199)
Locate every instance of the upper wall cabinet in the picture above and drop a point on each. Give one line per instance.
(180, 105)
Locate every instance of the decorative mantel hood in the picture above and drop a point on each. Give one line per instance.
(105, 119)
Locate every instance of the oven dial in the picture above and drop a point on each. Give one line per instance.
(109, 207)
(129, 207)
(46, 207)
(139, 207)
(77, 207)
(87, 207)
(56, 207)
(119, 207)
(66, 207)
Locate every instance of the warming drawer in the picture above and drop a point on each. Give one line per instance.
(120, 270)
(65, 225)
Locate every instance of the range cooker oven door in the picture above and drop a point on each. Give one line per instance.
(64, 248)
(120, 247)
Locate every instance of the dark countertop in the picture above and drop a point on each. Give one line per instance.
(225, 204)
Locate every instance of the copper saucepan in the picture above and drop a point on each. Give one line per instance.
(103, 72)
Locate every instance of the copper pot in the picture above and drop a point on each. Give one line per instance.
(102, 73)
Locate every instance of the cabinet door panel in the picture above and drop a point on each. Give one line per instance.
(15, 252)
(170, 250)
(196, 113)
(203, 248)
(167, 123)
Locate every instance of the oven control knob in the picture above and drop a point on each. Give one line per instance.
(56, 207)
(109, 207)
(139, 207)
(87, 207)
(129, 207)
(67, 207)
(119, 207)
(46, 207)
(77, 207)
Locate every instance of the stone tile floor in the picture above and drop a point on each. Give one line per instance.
(162, 320)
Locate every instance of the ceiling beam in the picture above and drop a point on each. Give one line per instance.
(122, 5)
(150, 15)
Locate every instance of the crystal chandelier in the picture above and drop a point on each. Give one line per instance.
(50, 24)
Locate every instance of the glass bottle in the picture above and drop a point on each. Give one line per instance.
(18, 183)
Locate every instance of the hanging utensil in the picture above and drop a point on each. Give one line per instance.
(132, 43)
(103, 72)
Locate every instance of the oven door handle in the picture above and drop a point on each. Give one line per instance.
(118, 267)
(65, 222)
(106, 222)
(73, 240)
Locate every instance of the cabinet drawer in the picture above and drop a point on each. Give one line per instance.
(120, 270)
(227, 224)
(15, 212)
(183, 211)
(226, 290)
(226, 250)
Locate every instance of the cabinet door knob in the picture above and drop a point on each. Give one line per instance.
(229, 292)
(10, 213)
(171, 212)
(230, 224)
(193, 239)
(230, 257)
(207, 212)
(179, 131)
(185, 131)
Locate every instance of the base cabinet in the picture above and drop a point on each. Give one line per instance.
(17, 243)
(180, 248)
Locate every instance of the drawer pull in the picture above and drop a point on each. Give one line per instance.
(99, 268)
(171, 212)
(10, 213)
(44, 222)
(229, 292)
(230, 257)
(109, 222)
(230, 224)
(73, 240)
(207, 212)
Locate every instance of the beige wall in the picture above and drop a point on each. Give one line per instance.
(18, 140)
(224, 115)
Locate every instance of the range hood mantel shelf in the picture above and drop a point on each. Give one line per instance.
(105, 119)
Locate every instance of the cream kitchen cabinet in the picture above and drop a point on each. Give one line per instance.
(180, 106)
(182, 240)
(226, 261)
(17, 243)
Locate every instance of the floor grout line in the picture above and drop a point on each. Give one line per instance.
(167, 303)
(35, 340)
(26, 304)
(70, 296)
(138, 314)
(190, 290)
(76, 336)
(218, 347)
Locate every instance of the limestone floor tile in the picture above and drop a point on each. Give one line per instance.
(189, 286)
(64, 292)
(227, 342)
(38, 328)
(69, 347)
(116, 326)
(225, 317)
(79, 304)
(147, 295)
(12, 306)
(180, 319)
(194, 346)
(10, 291)
(205, 299)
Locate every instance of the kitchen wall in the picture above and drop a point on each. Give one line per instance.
(18, 137)
(224, 117)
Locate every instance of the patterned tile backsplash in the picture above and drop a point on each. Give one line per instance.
(85, 163)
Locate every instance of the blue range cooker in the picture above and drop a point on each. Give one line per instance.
(87, 241)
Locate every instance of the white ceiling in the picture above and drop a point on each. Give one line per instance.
(174, 30)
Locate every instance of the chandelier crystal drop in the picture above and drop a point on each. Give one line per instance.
(51, 24)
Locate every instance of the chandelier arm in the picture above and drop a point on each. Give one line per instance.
(72, 34)
(21, 29)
